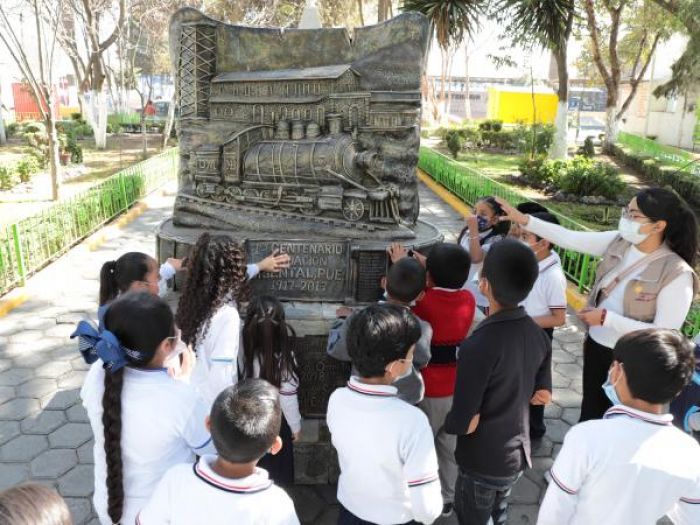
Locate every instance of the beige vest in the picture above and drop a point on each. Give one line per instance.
(642, 291)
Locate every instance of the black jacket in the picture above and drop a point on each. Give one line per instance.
(500, 366)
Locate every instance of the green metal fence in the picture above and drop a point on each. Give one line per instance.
(470, 184)
(676, 157)
(29, 244)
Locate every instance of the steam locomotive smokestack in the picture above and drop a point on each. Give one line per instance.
(335, 124)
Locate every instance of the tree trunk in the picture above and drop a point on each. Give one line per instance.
(360, 8)
(3, 136)
(559, 149)
(98, 103)
(467, 93)
(169, 122)
(54, 164)
(612, 124)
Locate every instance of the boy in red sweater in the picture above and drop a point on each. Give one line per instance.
(450, 311)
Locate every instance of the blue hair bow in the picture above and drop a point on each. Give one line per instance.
(104, 345)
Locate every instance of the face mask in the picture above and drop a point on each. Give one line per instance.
(173, 358)
(162, 288)
(629, 231)
(610, 391)
(404, 375)
(483, 223)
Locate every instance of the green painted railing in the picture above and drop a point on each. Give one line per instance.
(676, 157)
(469, 185)
(30, 244)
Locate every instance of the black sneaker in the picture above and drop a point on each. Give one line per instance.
(447, 509)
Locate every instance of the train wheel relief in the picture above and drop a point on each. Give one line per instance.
(353, 208)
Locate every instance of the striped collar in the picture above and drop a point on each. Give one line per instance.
(371, 390)
(548, 262)
(256, 482)
(655, 419)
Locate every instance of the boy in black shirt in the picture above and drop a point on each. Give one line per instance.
(502, 368)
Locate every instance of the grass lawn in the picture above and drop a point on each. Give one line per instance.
(500, 167)
(122, 151)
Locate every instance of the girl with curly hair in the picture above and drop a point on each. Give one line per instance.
(207, 312)
(267, 354)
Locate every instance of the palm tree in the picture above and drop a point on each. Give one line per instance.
(547, 23)
(450, 20)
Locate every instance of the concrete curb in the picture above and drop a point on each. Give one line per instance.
(574, 298)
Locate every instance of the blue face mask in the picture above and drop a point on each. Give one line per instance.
(610, 391)
(483, 223)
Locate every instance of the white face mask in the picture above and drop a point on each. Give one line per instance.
(407, 373)
(173, 359)
(629, 231)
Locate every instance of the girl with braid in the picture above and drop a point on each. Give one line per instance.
(208, 311)
(143, 420)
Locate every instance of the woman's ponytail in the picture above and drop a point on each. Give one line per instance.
(108, 282)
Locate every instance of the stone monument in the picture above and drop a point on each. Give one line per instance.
(306, 141)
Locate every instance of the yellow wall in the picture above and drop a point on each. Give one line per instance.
(515, 106)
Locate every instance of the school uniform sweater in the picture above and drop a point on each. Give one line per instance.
(450, 313)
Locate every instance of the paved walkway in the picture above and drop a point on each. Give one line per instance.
(44, 433)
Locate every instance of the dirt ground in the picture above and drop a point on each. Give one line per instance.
(27, 199)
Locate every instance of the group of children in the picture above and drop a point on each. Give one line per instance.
(194, 413)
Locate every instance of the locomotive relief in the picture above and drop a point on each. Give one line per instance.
(309, 174)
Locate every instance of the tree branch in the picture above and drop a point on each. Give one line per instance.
(595, 41)
(634, 82)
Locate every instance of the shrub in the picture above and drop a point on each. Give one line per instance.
(8, 178)
(75, 150)
(11, 129)
(455, 142)
(491, 125)
(544, 138)
(539, 172)
(583, 177)
(588, 149)
(78, 117)
(27, 167)
(33, 127)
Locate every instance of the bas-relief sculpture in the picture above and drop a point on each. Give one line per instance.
(299, 131)
(306, 141)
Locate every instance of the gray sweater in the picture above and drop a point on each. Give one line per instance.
(411, 387)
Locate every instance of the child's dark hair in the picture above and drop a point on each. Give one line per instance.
(681, 234)
(448, 265)
(501, 228)
(511, 269)
(117, 276)
(658, 363)
(217, 273)
(405, 280)
(530, 208)
(35, 504)
(378, 335)
(140, 321)
(267, 339)
(245, 420)
(546, 217)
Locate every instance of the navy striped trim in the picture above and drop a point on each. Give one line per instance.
(423, 481)
(292, 393)
(618, 410)
(369, 392)
(561, 485)
(229, 487)
(691, 501)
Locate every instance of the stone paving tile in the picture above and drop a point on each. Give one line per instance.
(44, 433)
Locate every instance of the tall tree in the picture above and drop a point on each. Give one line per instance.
(623, 27)
(36, 64)
(451, 22)
(549, 24)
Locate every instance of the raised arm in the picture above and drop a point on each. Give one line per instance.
(591, 243)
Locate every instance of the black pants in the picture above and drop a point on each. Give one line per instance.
(281, 466)
(479, 497)
(348, 518)
(537, 426)
(596, 363)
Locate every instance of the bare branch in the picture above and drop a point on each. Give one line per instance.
(634, 82)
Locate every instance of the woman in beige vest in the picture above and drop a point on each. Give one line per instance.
(645, 278)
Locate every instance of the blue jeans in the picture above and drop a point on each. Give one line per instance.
(479, 497)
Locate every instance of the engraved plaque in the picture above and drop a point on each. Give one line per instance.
(318, 270)
(319, 375)
(371, 266)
